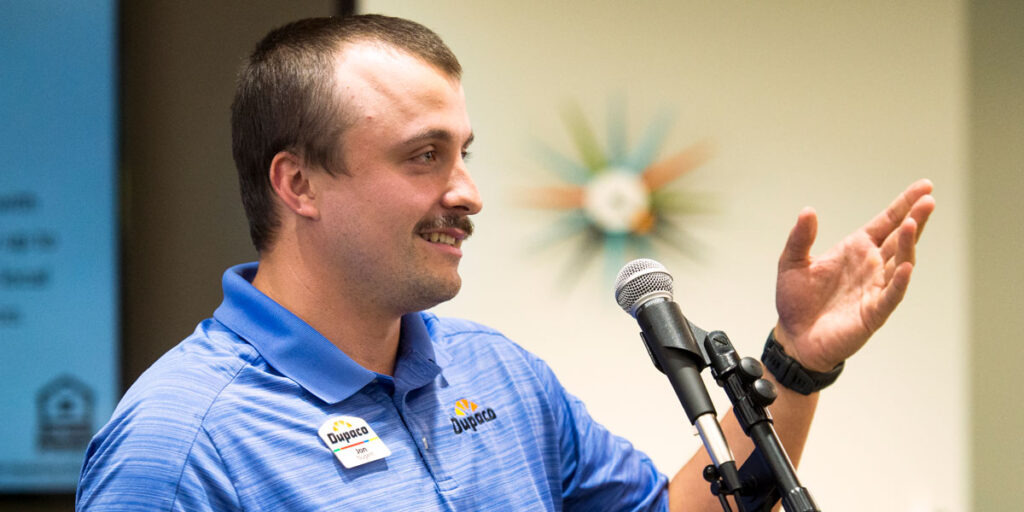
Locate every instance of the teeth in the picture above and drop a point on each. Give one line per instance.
(440, 238)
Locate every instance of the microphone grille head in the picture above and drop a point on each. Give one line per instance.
(640, 279)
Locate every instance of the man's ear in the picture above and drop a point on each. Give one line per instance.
(289, 177)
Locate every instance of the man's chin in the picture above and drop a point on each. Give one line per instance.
(426, 297)
(449, 292)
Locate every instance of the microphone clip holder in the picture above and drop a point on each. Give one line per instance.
(768, 474)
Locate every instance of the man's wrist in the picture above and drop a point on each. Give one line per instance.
(791, 374)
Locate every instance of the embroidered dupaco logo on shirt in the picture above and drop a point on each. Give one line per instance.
(352, 440)
(469, 416)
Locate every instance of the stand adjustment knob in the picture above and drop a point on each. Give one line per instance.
(750, 369)
(710, 473)
(763, 392)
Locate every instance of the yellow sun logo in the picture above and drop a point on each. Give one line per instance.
(464, 407)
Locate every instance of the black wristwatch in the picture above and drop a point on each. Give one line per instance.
(792, 374)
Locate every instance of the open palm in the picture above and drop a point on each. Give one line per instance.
(831, 304)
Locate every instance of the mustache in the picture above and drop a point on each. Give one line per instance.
(447, 221)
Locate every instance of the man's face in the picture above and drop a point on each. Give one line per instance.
(393, 224)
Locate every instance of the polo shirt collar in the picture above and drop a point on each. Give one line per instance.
(302, 354)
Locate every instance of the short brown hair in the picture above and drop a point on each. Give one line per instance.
(285, 100)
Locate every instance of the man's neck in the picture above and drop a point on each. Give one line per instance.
(364, 333)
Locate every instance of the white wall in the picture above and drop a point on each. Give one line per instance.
(837, 105)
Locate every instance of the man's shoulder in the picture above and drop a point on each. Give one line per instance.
(477, 344)
(159, 421)
(194, 372)
(454, 329)
(171, 399)
(461, 335)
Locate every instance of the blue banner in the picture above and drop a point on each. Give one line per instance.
(58, 237)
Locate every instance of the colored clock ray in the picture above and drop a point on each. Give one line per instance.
(616, 202)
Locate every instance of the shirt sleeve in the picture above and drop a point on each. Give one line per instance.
(205, 484)
(137, 473)
(600, 471)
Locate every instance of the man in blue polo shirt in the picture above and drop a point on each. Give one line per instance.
(320, 384)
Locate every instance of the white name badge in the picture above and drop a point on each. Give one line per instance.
(352, 440)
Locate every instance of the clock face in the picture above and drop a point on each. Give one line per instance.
(616, 201)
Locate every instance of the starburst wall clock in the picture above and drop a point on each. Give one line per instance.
(619, 201)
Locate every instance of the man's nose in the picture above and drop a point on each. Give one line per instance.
(462, 193)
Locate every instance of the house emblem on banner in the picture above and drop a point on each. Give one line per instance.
(64, 410)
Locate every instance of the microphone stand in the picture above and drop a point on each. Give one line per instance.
(768, 474)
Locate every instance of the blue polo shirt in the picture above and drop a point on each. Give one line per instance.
(229, 419)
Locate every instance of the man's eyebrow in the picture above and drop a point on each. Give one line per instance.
(436, 134)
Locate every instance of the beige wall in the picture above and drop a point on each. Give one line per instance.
(832, 104)
(996, 246)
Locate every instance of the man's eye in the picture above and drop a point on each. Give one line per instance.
(466, 154)
(429, 156)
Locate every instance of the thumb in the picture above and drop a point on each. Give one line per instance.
(801, 238)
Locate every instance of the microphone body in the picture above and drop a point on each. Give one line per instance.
(644, 290)
(670, 342)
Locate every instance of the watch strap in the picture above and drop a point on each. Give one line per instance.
(791, 374)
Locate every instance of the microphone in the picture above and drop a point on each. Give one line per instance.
(643, 289)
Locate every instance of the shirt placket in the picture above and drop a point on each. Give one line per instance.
(422, 435)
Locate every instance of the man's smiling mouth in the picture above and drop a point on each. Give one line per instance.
(441, 238)
(449, 230)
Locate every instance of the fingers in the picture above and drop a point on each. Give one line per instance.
(920, 212)
(905, 241)
(801, 238)
(891, 295)
(889, 219)
(922, 209)
(898, 270)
